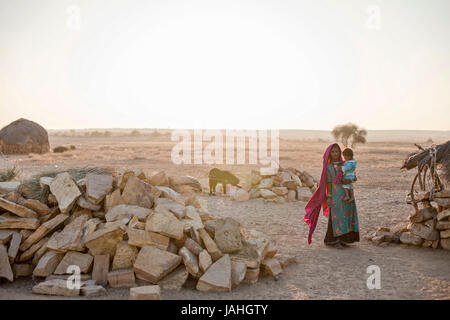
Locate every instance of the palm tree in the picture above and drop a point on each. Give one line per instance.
(349, 132)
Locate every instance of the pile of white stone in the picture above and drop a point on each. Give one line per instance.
(289, 184)
(429, 225)
(120, 229)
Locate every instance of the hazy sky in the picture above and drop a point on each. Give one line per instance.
(226, 64)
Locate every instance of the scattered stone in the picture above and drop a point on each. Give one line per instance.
(210, 245)
(65, 191)
(176, 208)
(47, 264)
(285, 260)
(227, 235)
(238, 271)
(445, 243)
(443, 215)
(292, 195)
(56, 287)
(265, 183)
(22, 270)
(5, 236)
(93, 291)
(121, 278)
(140, 193)
(267, 194)
(152, 263)
(17, 209)
(9, 186)
(271, 267)
(43, 230)
(175, 280)
(28, 254)
(218, 276)
(98, 186)
(5, 267)
(145, 293)
(86, 204)
(125, 256)
(100, 269)
(409, 238)
(36, 206)
(445, 234)
(193, 246)
(14, 245)
(241, 195)
(190, 260)
(166, 224)
(251, 276)
(140, 238)
(423, 214)
(103, 241)
(443, 202)
(303, 194)
(70, 238)
(425, 230)
(167, 192)
(82, 260)
(159, 179)
(127, 211)
(443, 225)
(205, 260)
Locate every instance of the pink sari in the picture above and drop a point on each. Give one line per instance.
(319, 198)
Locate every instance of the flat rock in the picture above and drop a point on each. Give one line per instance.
(442, 194)
(65, 191)
(43, 230)
(55, 287)
(193, 246)
(291, 195)
(5, 236)
(9, 186)
(445, 243)
(86, 204)
(113, 199)
(140, 238)
(175, 280)
(443, 202)
(47, 264)
(40, 208)
(210, 245)
(152, 263)
(145, 293)
(104, 241)
(124, 210)
(93, 291)
(227, 235)
(266, 183)
(445, 233)
(159, 179)
(218, 276)
(5, 267)
(280, 191)
(121, 278)
(241, 195)
(82, 260)
(169, 193)
(22, 270)
(251, 276)
(423, 214)
(409, 238)
(267, 194)
(100, 269)
(303, 194)
(176, 208)
(125, 256)
(425, 230)
(285, 260)
(17, 209)
(192, 218)
(139, 193)
(443, 225)
(14, 245)
(166, 224)
(238, 271)
(445, 214)
(71, 237)
(204, 260)
(190, 260)
(98, 186)
(271, 267)
(28, 254)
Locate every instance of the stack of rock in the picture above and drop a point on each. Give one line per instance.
(115, 228)
(289, 184)
(429, 226)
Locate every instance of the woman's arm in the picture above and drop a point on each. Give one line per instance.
(329, 189)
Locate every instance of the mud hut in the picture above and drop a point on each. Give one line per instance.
(22, 137)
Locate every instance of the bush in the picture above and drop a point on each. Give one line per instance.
(72, 147)
(8, 174)
(349, 132)
(60, 149)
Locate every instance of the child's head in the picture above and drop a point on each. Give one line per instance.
(348, 154)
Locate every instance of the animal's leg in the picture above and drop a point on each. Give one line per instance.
(224, 186)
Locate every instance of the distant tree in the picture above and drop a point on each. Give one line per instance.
(349, 133)
(135, 133)
(107, 134)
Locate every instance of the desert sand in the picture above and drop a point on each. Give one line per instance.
(320, 272)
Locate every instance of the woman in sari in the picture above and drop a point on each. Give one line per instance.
(343, 225)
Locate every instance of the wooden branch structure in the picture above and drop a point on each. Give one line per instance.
(427, 181)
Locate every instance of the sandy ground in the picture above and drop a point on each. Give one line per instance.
(321, 272)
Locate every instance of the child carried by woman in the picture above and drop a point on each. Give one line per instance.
(348, 170)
